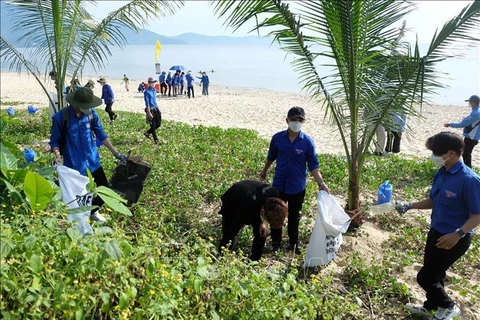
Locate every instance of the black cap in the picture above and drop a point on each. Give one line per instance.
(296, 112)
(475, 99)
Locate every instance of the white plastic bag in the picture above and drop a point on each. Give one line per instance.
(74, 193)
(326, 237)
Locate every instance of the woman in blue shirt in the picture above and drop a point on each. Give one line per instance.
(154, 116)
(293, 150)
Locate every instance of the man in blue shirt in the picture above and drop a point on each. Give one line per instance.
(154, 116)
(471, 131)
(455, 203)
(293, 150)
(163, 85)
(108, 98)
(190, 80)
(78, 138)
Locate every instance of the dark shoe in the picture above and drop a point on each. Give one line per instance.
(295, 248)
(276, 247)
(147, 135)
(115, 116)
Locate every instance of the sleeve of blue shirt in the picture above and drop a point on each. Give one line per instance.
(272, 150)
(312, 159)
(471, 190)
(56, 132)
(473, 117)
(96, 127)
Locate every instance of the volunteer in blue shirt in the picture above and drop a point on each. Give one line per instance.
(108, 98)
(78, 139)
(190, 80)
(205, 81)
(169, 83)
(154, 116)
(163, 85)
(471, 129)
(294, 151)
(455, 203)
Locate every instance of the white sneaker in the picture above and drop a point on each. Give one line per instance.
(97, 217)
(418, 309)
(446, 313)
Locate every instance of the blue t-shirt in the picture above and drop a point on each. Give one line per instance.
(473, 120)
(150, 97)
(80, 151)
(292, 159)
(456, 197)
(107, 94)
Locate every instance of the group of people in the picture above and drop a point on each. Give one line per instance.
(454, 197)
(178, 84)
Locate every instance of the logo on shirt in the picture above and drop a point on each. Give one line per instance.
(449, 194)
(298, 151)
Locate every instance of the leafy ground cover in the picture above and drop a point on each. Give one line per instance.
(162, 262)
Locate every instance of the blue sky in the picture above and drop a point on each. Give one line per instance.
(198, 17)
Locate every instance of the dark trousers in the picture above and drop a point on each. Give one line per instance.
(100, 179)
(169, 90)
(393, 142)
(295, 202)
(163, 88)
(108, 109)
(230, 229)
(191, 89)
(435, 264)
(467, 153)
(155, 124)
(182, 87)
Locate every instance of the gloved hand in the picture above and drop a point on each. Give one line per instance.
(403, 207)
(120, 156)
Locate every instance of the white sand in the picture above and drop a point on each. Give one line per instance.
(261, 110)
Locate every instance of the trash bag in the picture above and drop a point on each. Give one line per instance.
(31, 109)
(74, 193)
(129, 177)
(326, 237)
(29, 155)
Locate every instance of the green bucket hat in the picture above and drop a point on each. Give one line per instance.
(83, 99)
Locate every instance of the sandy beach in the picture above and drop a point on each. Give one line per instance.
(256, 109)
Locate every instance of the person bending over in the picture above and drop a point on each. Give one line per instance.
(253, 203)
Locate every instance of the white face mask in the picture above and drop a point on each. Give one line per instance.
(295, 126)
(437, 160)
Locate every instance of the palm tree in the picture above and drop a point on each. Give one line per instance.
(374, 72)
(67, 37)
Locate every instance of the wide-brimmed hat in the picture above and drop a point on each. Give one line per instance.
(151, 79)
(102, 80)
(83, 99)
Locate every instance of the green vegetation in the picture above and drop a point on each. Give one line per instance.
(161, 263)
(352, 58)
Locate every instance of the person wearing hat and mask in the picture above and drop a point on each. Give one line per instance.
(294, 151)
(251, 203)
(77, 140)
(108, 98)
(154, 116)
(471, 129)
(455, 204)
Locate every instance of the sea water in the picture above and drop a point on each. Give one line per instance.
(263, 66)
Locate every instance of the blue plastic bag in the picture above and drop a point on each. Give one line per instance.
(29, 155)
(31, 109)
(11, 111)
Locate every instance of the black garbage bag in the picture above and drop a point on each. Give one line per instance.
(129, 178)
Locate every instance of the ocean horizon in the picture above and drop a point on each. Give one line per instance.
(261, 66)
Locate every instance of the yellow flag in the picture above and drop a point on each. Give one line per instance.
(158, 48)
